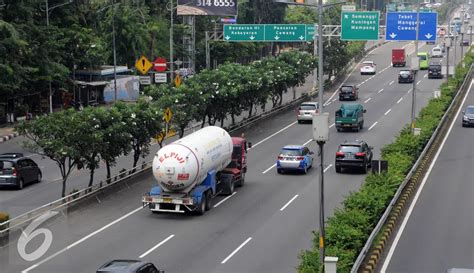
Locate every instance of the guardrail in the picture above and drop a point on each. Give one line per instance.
(75, 197)
(409, 183)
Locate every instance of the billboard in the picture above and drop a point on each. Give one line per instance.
(127, 89)
(207, 7)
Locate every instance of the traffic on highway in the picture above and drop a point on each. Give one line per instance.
(246, 199)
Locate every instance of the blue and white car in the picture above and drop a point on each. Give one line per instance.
(295, 158)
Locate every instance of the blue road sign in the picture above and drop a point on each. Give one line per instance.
(401, 26)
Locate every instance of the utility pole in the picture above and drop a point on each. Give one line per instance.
(447, 46)
(413, 95)
(115, 51)
(470, 35)
(320, 70)
(171, 42)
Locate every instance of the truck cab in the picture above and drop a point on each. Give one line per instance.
(238, 165)
(350, 116)
(398, 57)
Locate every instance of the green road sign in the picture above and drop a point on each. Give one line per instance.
(360, 25)
(244, 33)
(268, 33)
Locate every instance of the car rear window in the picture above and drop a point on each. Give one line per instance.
(346, 89)
(404, 73)
(435, 66)
(307, 107)
(6, 165)
(291, 152)
(349, 149)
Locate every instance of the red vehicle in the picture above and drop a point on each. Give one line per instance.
(398, 57)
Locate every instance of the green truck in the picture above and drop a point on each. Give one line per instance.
(350, 116)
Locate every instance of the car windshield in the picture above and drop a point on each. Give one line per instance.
(346, 89)
(291, 152)
(6, 165)
(404, 73)
(349, 149)
(437, 49)
(422, 57)
(470, 110)
(307, 107)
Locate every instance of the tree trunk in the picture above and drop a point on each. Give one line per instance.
(233, 118)
(136, 157)
(181, 131)
(91, 177)
(222, 123)
(63, 191)
(203, 121)
(281, 98)
(274, 100)
(251, 110)
(107, 165)
(209, 120)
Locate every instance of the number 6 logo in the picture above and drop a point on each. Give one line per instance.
(29, 233)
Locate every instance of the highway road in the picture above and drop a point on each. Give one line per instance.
(437, 232)
(261, 228)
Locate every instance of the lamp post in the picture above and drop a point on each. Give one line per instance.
(413, 95)
(447, 43)
(48, 10)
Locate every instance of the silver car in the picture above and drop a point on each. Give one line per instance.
(306, 110)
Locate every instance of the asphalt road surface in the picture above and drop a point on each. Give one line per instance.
(262, 227)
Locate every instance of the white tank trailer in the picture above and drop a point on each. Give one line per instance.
(179, 166)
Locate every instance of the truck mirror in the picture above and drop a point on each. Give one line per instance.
(365, 110)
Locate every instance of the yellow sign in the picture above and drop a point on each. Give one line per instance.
(168, 115)
(178, 80)
(159, 137)
(143, 65)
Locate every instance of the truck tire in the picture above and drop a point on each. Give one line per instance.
(201, 208)
(208, 200)
(241, 181)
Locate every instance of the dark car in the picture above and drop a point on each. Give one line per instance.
(356, 154)
(464, 43)
(405, 76)
(434, 71)
(128, 266)
(17, 170)
(468, 116)
(348, 92)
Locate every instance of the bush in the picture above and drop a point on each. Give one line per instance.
(3, 218)
(350, 227)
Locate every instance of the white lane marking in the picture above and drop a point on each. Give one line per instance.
(423, 182)
(367, 100)
(380, 91)
(225, 199)
(157, 246)
(391, 82)
(388, 111)
(426, 75)
(266, 171)
(81, 240)
(407, 45)
(288, 203)
(327, 168)
(409, 90)
(373, 125)
(306, 143)
(418, 82)
(272, 135)
(235, 251)
(332, 125)
(328, 103)
(334, 100)
(398, 101)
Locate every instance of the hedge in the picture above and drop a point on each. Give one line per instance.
(3, 218)
(350, 226)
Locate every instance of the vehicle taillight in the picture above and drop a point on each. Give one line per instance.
(299, 157)
(339, 154)
(14, 172)
(360, 154)
(280, 157)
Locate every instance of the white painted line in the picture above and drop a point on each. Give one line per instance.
(157, 246)
(426, 75)
(327, 168)
(409, 90)
(367, 100)
(289, 202)
(235, 251)
(332, 125)
(423, 182)
(418, 82)
(266, 171)
(334, 100)
(407, 45)
(388, 111)
(272, 135)
(327, 103)
(373, 125)
(81, 240)
(391, 82)
(306, 143)
(380, 91)
(225, 199)
(398, 101)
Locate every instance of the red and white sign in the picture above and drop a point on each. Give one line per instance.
(159, 64)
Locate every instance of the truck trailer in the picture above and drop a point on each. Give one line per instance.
(191, 171)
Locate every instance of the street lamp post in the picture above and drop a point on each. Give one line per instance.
(115, 51)
(171, 40)
(413, 95)
(48, 10)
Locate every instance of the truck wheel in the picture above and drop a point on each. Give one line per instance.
(201, 209)
(208, 200)
(242, 180)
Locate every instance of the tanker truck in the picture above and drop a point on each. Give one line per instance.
(191, 171)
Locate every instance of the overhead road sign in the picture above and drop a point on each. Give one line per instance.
(143, 65)
(401, 26)
(360, 25)
(268, 33)
(207, 7)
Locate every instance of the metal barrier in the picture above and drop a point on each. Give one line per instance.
(409, 183)
(73, 198)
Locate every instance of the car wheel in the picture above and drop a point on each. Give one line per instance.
(299, 121)
(361, 126)
(338, 169)
(338, 129)
(305, 170)
(21, 184)
(279, 171)
(364, 169)
(38, 179)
